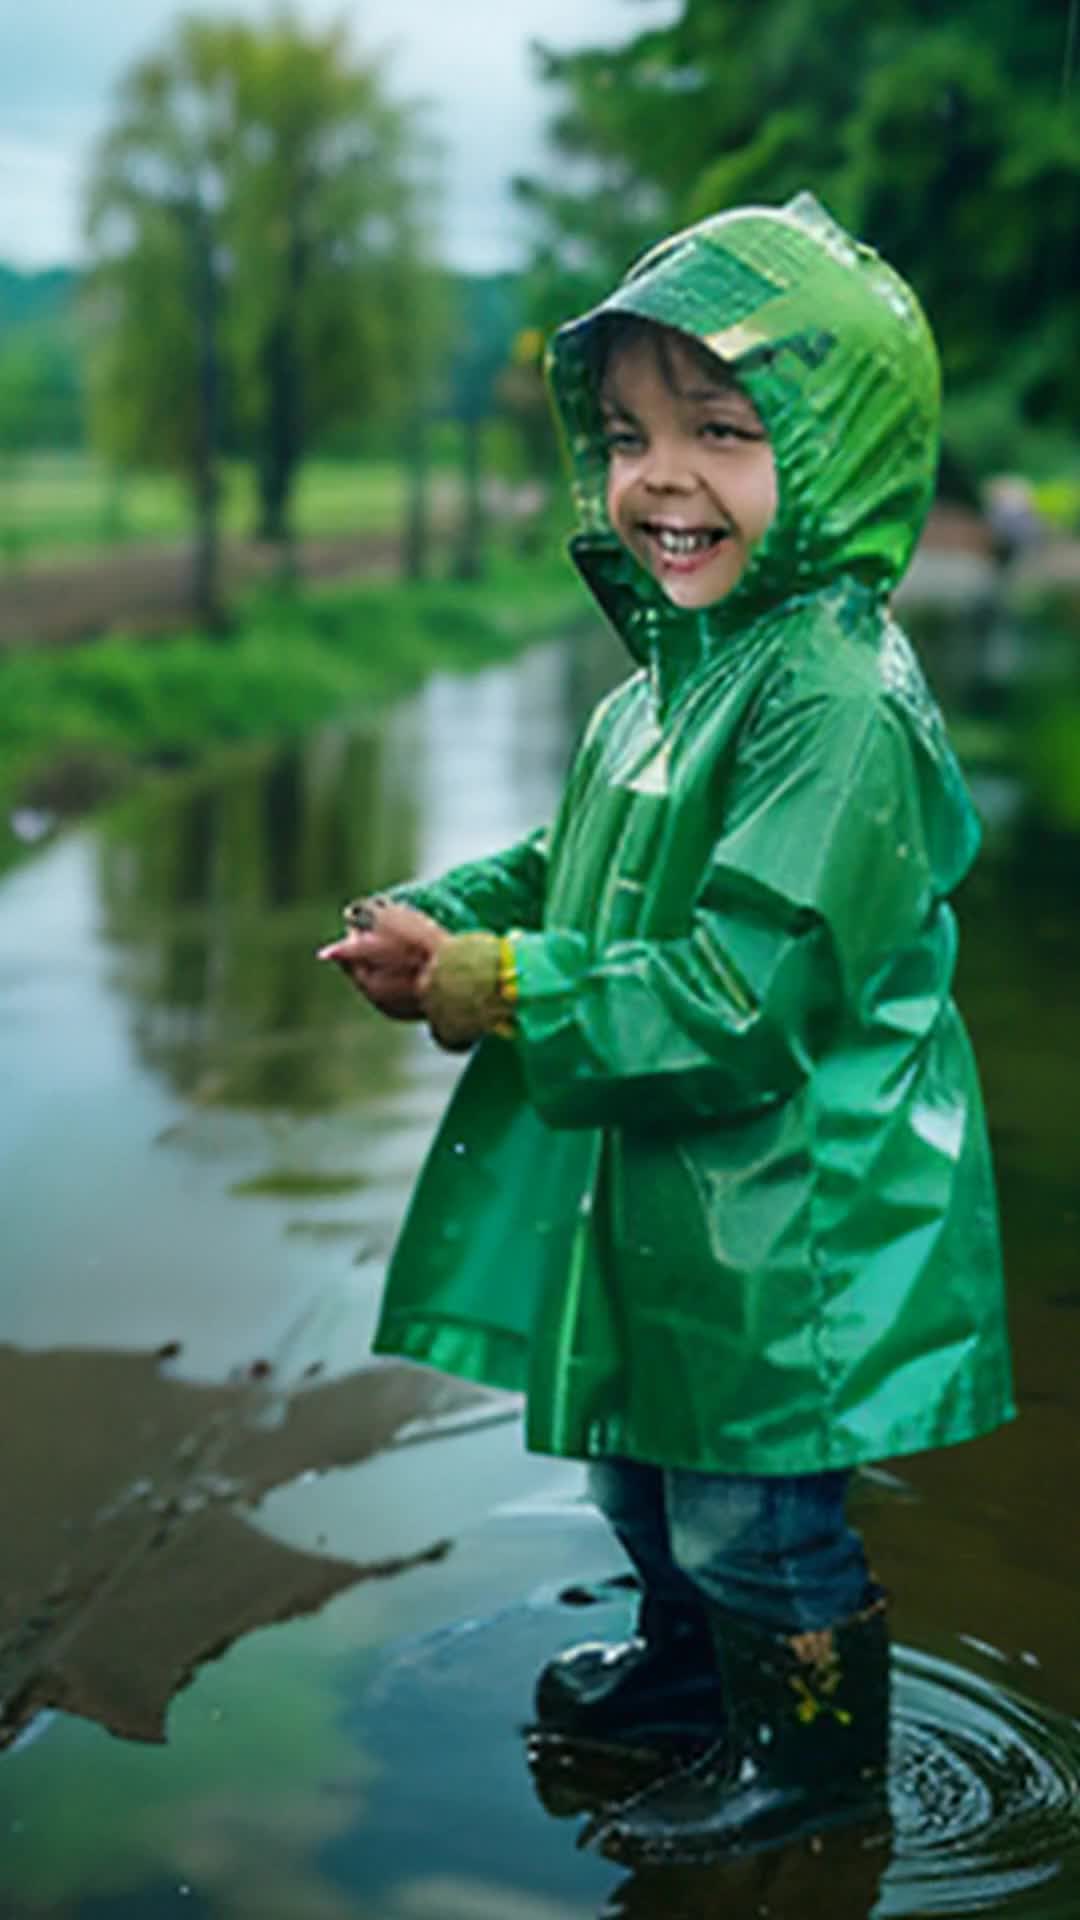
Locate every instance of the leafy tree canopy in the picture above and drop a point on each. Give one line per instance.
(257, 216)
(948, 137)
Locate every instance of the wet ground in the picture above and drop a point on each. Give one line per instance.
(269, 1613)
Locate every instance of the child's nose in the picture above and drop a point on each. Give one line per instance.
(669, 469)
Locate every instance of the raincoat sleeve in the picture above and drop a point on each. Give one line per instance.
(487, 896)
(821, 871)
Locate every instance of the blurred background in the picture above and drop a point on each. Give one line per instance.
(284, 617)
(275, 285)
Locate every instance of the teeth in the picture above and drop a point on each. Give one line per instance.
(673, 542)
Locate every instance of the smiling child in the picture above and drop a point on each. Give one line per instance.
(715, 1192)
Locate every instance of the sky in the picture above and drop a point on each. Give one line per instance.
(60, 61)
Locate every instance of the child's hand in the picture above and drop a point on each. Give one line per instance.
(390, 960)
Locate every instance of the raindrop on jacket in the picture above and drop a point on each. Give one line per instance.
(728, 1201)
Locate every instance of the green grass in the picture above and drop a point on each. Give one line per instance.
(52, 503)
(59, 504)
(77, 723)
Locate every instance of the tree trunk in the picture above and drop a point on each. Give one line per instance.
(279, 447)
(207, 600)
(469, 560)
(416, 541)
(282, 426)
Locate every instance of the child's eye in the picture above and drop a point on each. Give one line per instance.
(727, 430)
(621, 440)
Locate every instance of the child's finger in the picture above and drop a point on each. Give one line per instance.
(349, 948)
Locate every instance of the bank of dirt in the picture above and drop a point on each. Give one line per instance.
(147, 589)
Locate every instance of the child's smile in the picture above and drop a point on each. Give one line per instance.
(691, 479)
(682, 549)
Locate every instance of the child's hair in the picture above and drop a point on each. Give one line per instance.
(614, 332)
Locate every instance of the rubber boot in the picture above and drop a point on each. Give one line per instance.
(806, 1746)
(662, 1682)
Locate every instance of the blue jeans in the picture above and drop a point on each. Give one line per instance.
(776, 1549)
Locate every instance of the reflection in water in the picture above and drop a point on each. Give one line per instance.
(209, 1154)
(128, 1560)
(213, 890)
(837, 1879)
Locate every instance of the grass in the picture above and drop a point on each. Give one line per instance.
(54, 503)
(76, 724)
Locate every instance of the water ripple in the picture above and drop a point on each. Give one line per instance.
(983, 1816)
(984, 1796)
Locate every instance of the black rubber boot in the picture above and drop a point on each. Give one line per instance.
(806, 1748)
(663, 1681)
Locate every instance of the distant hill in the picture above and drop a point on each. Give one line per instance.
(41, 402)
(29, 298)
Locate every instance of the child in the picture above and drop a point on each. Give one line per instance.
(716, 1193)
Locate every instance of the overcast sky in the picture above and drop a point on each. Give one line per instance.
(61, 59)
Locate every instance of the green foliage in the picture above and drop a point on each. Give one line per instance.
(257, 225)
(115, 704)
(1051, 762)
(1058, 500)
(949, 138)
(331, 300)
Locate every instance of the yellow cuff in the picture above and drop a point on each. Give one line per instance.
(507, 982)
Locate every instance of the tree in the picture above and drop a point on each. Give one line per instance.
(333, 301)
(949, 138)
(158, 189)
(256, 219)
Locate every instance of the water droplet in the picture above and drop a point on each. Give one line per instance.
(460, 1147)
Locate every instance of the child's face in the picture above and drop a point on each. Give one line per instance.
(691, 483)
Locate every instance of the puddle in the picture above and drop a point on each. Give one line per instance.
(329, 1587)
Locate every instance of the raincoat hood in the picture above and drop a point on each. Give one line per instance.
(837, 357)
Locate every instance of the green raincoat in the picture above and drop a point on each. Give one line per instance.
(725, 1201)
